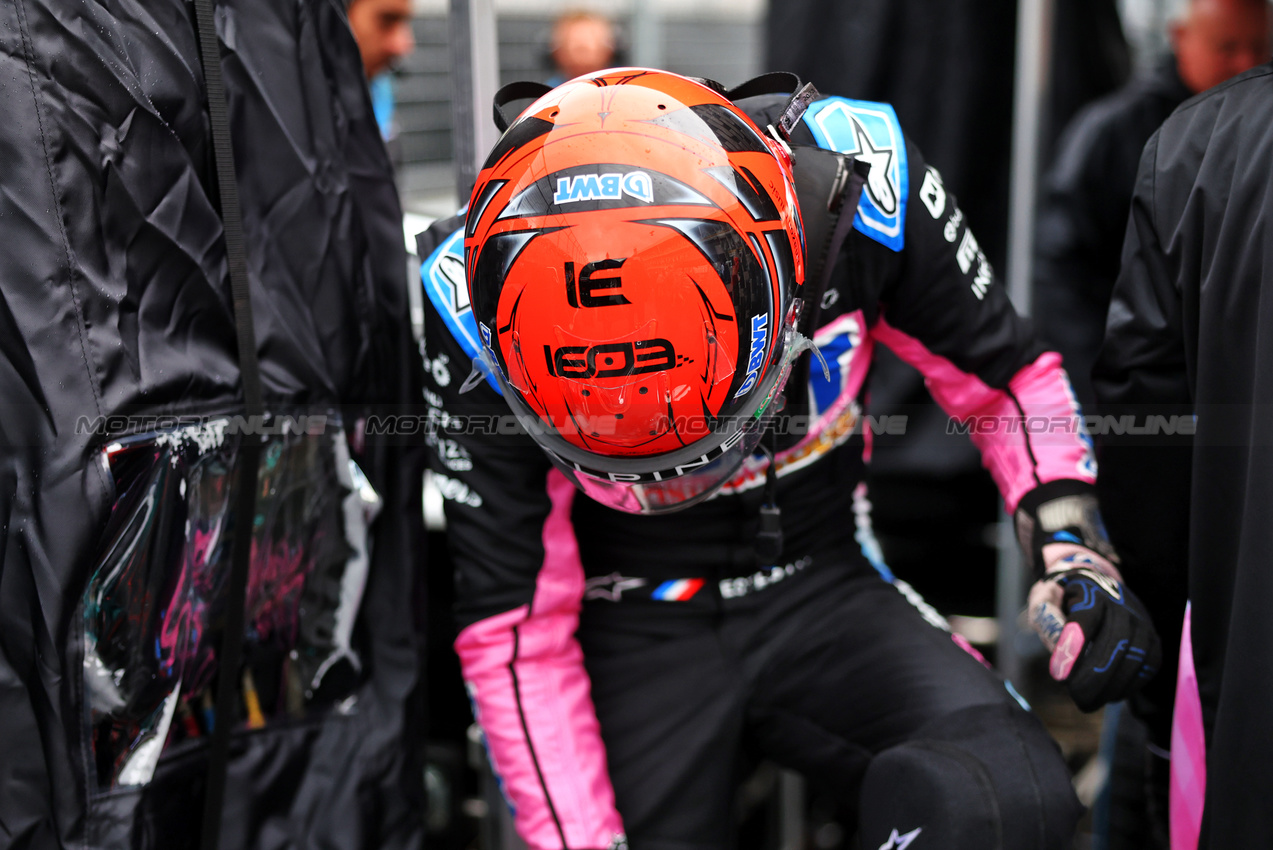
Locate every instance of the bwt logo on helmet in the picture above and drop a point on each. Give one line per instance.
(759, 333)
(604, 187)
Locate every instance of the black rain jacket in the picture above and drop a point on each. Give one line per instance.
(1190, 332)
(114, 303)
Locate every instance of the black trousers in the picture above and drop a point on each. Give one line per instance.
(820, 666)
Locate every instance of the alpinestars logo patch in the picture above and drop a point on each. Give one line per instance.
(901, 842)
(869, 132)
(878, 185)
(610, 587)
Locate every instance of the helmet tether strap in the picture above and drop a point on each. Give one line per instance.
(769, 534)
(779, 82)
(520, 90)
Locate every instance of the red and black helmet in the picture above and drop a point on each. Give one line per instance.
(634, 256)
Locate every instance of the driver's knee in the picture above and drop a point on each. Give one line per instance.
(984, 778)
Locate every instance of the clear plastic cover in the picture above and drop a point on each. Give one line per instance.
(155, 603)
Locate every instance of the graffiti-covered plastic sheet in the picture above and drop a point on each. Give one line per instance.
(156, 602)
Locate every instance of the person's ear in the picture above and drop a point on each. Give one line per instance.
(1175, 33)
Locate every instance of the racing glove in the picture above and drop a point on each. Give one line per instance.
(1102, 642)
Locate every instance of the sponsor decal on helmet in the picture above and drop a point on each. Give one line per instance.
(585, 292)
(756, 359)
(611, 359)
(604, 187)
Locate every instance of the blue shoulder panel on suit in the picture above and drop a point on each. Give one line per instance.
(870, 132)
(442, 274)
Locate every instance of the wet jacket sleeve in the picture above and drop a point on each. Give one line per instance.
(519, 582)
(941, 308)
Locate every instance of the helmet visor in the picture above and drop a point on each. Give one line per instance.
(668, 481)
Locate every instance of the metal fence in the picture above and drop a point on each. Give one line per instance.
(707, 45)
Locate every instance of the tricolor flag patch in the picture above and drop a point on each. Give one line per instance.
(678, 590)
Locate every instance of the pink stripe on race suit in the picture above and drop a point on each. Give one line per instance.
(1188, 751)
(1023, 446)
(962, 643)
(525, 674)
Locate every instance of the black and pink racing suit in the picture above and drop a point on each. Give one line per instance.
(622, 666)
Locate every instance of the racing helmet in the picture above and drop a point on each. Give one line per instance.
(635, 255)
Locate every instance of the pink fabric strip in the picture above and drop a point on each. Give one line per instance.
(1042, 440)
(831, 427)
(855, 363)
(551, 701)
(1188, 751)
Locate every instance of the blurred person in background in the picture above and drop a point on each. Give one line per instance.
(382, 29)
(1088, 190)
(1188, 338)
(1083, 213)
(582, 42)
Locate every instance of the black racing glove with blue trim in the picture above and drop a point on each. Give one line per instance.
(1104, 646)
(1103, 643)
